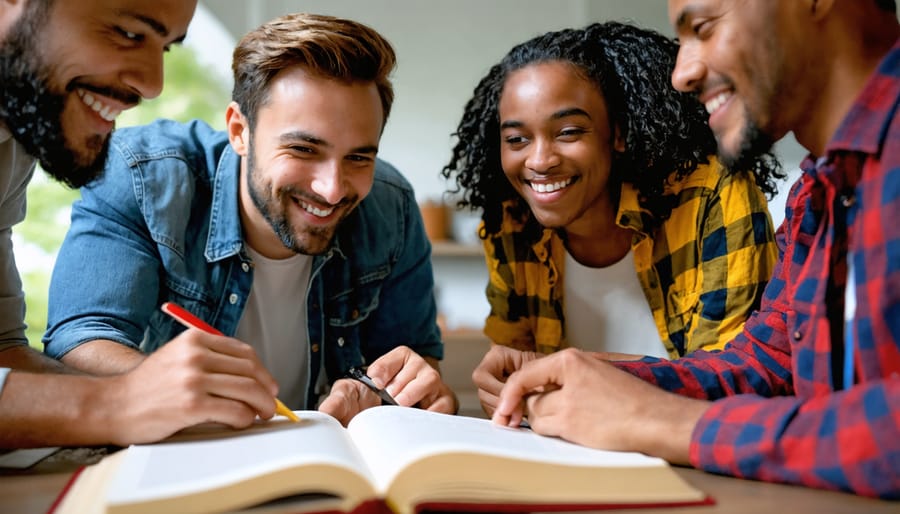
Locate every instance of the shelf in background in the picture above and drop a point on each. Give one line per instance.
(454, 249)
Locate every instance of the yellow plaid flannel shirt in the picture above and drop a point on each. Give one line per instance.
(703, 270)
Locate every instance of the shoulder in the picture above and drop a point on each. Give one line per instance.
(194, 142)
(389, 181)
(712, 182)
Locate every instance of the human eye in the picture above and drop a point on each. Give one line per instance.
(701, 28)
(132, 37)
(359, 158)
(571, 132)
(514, 140)
(301, 149)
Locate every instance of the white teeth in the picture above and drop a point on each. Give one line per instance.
(321, 213)
(105, 111)
(717, 102)
(549, 188)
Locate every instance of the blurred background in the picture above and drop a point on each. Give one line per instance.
(443, 49)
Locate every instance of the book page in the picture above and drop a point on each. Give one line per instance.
(205, 461)
(390, 438)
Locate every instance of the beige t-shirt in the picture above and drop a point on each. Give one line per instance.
(274, 322)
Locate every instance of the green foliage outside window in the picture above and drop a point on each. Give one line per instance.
(191, 91)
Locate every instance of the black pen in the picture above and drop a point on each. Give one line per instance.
(358, 374)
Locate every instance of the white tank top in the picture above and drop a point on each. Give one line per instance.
(606, 310)
(274, 322)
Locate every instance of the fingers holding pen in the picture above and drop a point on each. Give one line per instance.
(223, 367)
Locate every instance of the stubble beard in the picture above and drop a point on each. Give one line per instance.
(274, 208)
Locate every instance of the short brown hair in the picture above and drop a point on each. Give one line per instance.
(335, 48)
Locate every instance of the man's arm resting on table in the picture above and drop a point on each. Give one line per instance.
(103, 357)
(48, 409)
(574, 395)
(23, 357)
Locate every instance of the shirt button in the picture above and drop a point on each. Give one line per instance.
(797, 335)
(314, 347)
(341, 342)
(354, 314)
(245, 267)
(233, 298)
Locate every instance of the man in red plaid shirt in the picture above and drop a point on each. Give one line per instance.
(809, 393)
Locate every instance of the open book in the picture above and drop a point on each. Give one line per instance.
(405, 459)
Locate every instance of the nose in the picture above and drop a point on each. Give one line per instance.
(145, 73)
(689, 71)
(329, 182)
(543, 156)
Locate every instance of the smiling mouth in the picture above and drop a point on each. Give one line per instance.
(552, 187)
(105, 111)
(713, 104)
(312, 209)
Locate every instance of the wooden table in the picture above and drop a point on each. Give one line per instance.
(33, 492)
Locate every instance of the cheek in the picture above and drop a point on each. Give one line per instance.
(511, 163)
(362, 183)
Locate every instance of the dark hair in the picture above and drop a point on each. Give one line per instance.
(331, 47)
(665, 131)
(887, 5)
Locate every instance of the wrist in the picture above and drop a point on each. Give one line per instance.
(667, 428)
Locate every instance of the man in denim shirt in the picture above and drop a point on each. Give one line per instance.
(284, 231)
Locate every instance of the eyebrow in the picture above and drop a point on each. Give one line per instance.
(558, 115)
(684, 16)
(299, 135)
(154, 24)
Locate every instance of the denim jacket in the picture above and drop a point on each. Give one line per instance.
(163, 225)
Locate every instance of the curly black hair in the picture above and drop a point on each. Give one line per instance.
(665, 131)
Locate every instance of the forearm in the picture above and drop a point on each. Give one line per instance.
(664, 428)
(22, 357)
(54, 410)
(103, 357)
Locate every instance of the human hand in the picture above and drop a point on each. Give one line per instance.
(347, 398)
(578, 397)
(490, 375)
(194, 378)
(408, 377)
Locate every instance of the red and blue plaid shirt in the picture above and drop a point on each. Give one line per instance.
(781, 412)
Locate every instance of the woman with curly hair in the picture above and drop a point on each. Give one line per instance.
(607, 222)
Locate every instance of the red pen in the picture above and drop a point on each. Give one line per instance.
(189, 320)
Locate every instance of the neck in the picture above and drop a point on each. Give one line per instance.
(598, 245)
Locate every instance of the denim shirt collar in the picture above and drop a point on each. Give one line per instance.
(226, 238)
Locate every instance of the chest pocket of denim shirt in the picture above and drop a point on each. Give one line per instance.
(176, 285)
(349, 309)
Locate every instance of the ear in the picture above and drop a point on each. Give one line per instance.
(618, 141)
(819, 9)
(238, 128)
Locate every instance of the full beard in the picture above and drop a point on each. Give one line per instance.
(32, 110)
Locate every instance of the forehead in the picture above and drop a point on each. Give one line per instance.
(548, 82)
(299, 100)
